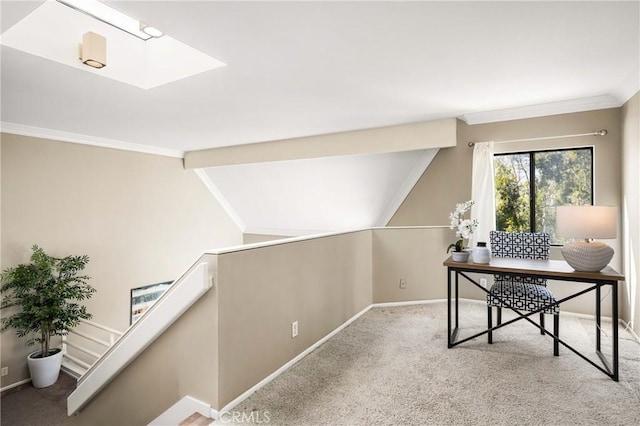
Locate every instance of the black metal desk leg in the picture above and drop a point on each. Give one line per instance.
(556, 334)
(614, 303)
(457, 299)
(490, 325)
(598, 316)
(448, 307)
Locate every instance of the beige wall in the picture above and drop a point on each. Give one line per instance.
(414, 255)
(631, 204)
(320, 283)
(141, 218)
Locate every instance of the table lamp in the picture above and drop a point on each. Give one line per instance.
(587, 222)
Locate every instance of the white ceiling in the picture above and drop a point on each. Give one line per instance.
(306, 68)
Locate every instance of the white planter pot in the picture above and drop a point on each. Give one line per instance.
(44, 371)
(460, 256)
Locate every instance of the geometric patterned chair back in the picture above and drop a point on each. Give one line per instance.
(520, 245)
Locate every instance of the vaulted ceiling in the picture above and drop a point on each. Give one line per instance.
(296, 69)
(321, 194)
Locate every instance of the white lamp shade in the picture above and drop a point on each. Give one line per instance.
(588, 222)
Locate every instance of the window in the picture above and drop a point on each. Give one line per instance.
(528, 205)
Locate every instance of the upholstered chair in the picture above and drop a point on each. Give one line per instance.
(522, 293)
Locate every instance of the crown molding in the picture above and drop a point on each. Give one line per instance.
(39, 132)
(541, 110)
(407, 186)
(629, 87)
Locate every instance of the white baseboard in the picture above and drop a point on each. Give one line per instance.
(14, 385)
(633, 333)
(181, 410)
(407, 303)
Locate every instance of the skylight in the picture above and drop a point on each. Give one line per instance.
(113, 17)
(53, 31)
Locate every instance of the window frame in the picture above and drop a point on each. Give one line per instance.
(532, 181)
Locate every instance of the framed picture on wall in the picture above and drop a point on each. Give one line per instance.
(142, 298)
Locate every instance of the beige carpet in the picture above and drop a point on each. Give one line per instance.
(392, 367)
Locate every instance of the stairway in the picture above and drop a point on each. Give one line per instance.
(196, 419)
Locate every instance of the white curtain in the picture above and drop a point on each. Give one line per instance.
(483, 192)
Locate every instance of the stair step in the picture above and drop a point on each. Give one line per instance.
(196, 419)
(72, 368)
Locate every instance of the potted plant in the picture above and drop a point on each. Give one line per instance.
(464, 229)
(45, 292)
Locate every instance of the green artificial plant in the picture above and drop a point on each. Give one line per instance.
(457, 246)
(46, 292)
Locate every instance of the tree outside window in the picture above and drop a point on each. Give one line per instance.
(561, 177)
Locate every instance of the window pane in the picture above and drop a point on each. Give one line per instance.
(562, 177)
(512, 192)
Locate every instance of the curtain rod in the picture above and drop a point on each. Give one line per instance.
(602, 132)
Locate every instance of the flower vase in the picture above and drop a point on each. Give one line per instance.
(481, 253)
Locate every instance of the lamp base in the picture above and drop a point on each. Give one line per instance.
(587, 256)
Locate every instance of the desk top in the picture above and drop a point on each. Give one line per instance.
(549, 268)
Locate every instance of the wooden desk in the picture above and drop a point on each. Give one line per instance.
(550, 269)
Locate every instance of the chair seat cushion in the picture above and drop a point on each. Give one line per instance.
(523, 296)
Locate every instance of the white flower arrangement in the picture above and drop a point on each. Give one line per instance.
(464, 227)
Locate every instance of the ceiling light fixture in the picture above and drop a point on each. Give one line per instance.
(93, 50)
(151, 31)
(113, 17)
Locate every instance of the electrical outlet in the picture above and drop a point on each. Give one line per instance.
(294, 329)
(5, 371)
(403, 283)
(483, 282)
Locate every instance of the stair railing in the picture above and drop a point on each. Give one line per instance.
(77, 366)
